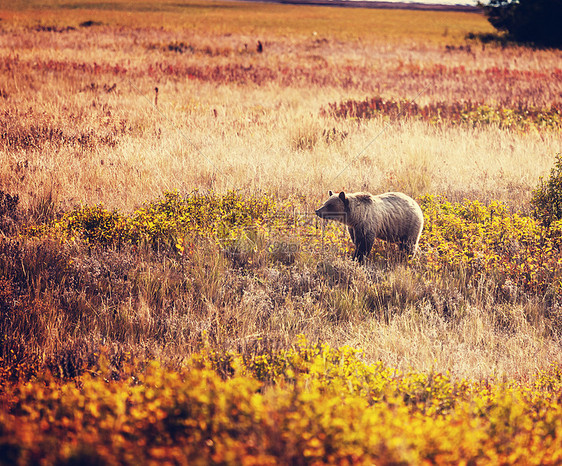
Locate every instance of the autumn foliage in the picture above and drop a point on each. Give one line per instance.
(167, 293)
(310, 404)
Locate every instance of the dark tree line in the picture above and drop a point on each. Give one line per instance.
(538, 22)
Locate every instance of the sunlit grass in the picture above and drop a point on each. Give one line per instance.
(258, 19)
(172, 231)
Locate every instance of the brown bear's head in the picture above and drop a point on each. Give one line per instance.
(335, 208)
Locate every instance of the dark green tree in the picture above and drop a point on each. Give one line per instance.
(531, 21)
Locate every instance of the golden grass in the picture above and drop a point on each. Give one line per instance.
(254, 18)
(79, 125)
(220, 126)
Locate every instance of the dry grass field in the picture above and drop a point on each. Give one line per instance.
(134, 134)
(81, 99)
(82, 124)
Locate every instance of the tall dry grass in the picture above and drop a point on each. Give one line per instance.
(82, 124)
(238, 115)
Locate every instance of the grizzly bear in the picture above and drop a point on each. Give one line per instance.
(393, 217)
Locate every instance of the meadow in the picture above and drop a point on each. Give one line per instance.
(167, 294)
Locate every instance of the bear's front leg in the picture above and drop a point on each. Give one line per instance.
(363, 244)
(356, 238)
(366, 246)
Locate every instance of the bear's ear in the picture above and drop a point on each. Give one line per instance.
(330, 193)
(344, 200)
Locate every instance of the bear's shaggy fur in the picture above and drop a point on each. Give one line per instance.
(393, 217)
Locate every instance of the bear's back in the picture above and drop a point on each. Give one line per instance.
(392, 216)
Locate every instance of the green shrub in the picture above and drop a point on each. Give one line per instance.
(547, 197)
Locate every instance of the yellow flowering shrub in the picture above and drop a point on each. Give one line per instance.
(514, 249)
(237, 223)
(163, 221)
(308, 405)
(488, 239)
